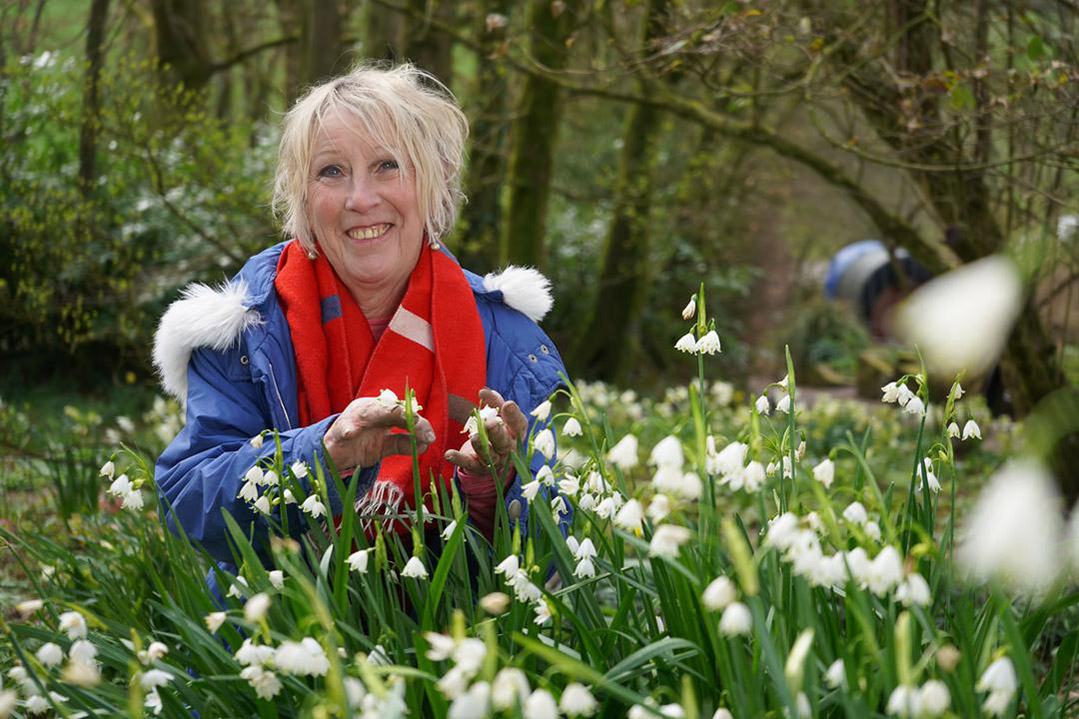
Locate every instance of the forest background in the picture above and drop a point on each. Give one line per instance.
(628, 149)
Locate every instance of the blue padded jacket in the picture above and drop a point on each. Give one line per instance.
(227, 354)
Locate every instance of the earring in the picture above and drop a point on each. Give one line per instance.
(311, 255)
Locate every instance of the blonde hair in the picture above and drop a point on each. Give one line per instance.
(404, 109)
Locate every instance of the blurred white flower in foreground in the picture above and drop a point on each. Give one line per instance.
(736, 620)
(1014, 531)
(999, 680)
(962, 319)
(304, 658)
(624, 454)
(667, 539)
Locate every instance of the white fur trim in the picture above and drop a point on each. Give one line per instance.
(202, 317)
(524, 289)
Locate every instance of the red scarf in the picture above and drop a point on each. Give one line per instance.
(434, 344)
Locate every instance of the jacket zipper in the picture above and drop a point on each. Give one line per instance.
(277, 392)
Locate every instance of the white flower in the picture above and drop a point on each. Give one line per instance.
(73, 624)
(709, 344)
(473, 704)
(509, 687)
(784, 404)
(904, 701)
(585, 549)
(855, 513)
(542, 410)
(934, 698)
(256, 441)
(723, 713)
(415, 569)
(686, 343)
(107, 469)
(304, 658)
(214, 620)
(585, 569)
(885, 571)
(782, 531)
(494, 603)
(155, 652)
(962, 319)
(270, 478)
(544, 443)
(540, 705)
(29, 606)
(872, 530)
(753, 476)
(508, 566)
(277, 579)
(254, 475)
(629, 517)
(256, 607)
(953, 430)
(572, 428)
(836, 674)
(531, 489)
(313, 506)
(298, 469)
(659, 507)
(82, 651)
(905, 395)
(262, 504)
(730, 459)
(576, 700)
(667, 453)
(250, 653)
(998, 677)
(763, 405)
(545, 475)
(825, 472)
(265, 683)
(690, 309)
(1014, 531)
(542, 611)
(235, 591)
(624, 454)
(914, 590)
(915, 406)
(387, 398)
(50, 654)
(971, 429)
(719, 593)
(448, 531)
(1066, 227)
(736, 620)
(891, 392)
(667, 539)
(120, 486)
(133, 500)
(154, 678)
(37, 705)
(290, 498)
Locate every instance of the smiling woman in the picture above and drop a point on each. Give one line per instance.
(317, 336)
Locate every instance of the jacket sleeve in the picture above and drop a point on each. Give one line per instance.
(202, 470)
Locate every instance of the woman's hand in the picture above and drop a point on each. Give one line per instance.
(360, 436)
(504, 430)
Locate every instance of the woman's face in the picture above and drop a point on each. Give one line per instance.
(361, 208)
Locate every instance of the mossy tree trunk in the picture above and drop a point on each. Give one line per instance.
(91, 100)
(477, 236)
(534, 134)
(426, 47)
(181, 38)
(383, 33)
(603, 347)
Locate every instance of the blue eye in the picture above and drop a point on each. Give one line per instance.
(387, 165)
(330, 171)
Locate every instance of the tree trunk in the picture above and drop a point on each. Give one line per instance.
(426, 47)
(383, 33)
(534, 134)
(477, 243)
(323, 35)
(91, 101)
(291, 15)
(180, 32)
(603, 348)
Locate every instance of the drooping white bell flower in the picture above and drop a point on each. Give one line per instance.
(314, 506)
(891, 393)
(962, 319)
(690, 309)
(214, 620)
(784, 404)
(915, 406)
(542, 410)
(953, 430)
(686, 343)
(914, 591)
(855, 513)
(763, 405)
(825, 472)
(572, 428)
(719, 593)
(667, 453)
(577, 701)
(509, 687)
(256, 607)
(1014, 532)
(667, 539)
(415, 569)
(50, 654)
(836, 674)
(934, 698)
(544, 443)
(305, 658)
(624, 453)
(709, 344)
(73, 624)
(630, 516)
(971, 429)
(903, 702)
(885, 571)
(736, 620)
(540, 705)
(1000, 681)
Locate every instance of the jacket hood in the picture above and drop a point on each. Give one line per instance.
(216, 317)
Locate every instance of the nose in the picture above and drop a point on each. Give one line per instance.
(363, 195)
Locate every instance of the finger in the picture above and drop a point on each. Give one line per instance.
(501, 439)
(491, 398)
(464, 461)
(515, 418)
(402, 444)
(480, 448)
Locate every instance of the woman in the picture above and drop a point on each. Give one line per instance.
(363, 298)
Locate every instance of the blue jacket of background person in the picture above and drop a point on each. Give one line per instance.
(227, 355)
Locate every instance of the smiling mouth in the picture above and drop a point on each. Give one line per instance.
(369, 233)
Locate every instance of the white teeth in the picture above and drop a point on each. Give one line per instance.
(370, 233)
